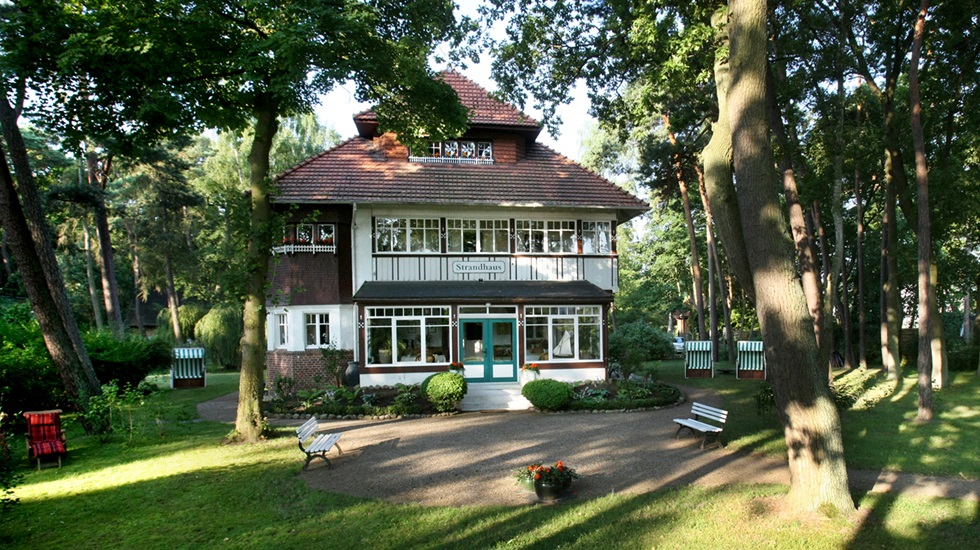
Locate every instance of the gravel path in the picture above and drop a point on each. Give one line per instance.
(468, 459)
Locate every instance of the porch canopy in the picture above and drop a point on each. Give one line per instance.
(481, 292)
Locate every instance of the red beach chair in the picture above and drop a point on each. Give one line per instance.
(44, 436)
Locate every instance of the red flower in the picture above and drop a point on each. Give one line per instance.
(537, 476)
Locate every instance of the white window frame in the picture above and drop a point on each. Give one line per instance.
(597, 237)
(403, 235)
(282, 330)
(319, 319)
(426, 316)
(578, 316)
(546, 237)
(456, 228)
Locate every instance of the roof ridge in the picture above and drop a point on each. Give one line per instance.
(312, 158)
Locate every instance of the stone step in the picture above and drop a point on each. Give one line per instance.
(494, 396)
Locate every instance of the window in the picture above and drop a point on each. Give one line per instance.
(596, 237)
(317, 330)
(419, 235)
(478, 236)
(282, 330)
(398, 335)
(456, 152)
(538, 237)
(557, 333)
(307, 237)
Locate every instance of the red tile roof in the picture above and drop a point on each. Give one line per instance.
(358, 171)
(484, 109)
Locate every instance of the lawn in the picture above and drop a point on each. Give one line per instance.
(178, 485)
(880, 430)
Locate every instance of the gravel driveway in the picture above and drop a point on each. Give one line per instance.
(469, 458)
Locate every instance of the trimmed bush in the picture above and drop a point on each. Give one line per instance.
(220, 334)
(444, 390)
(547, 394)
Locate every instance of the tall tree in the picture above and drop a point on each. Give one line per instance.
(924, 233)
(606, 43)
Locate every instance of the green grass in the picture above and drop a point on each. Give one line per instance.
(182, 486)
(880, 430)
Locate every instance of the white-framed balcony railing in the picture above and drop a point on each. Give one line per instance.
(304, 248)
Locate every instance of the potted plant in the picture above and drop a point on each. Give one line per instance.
(529, 372)
(550, 482)
(456, 367)
(524, 477)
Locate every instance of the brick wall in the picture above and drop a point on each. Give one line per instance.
(305, 367)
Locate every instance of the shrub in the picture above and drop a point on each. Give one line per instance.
(126, 359)
(633, 343)
(220, 333)
(964, 358)
(9, 475)
(548, 394)
(444, 390)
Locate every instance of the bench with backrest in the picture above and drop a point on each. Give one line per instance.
(321, 444)
(45, 439)
(698, 426)
(698, 361)
(751, 363)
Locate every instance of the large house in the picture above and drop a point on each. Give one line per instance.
(490, 250)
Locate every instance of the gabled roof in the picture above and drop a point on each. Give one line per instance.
(485, 110)
(358, 171)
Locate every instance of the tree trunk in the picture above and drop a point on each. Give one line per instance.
(249, 420)
(691, 233)
(717, 160)
(810, 420)
(803, 239)
(173, 301)
(110, 288)
(837, 213)
(862, 314)
(826, 341)
(714, 266)
(90, 276)
(137, 284)
(890, 316)
(925, 413)
(967, 326)
(8, 269)
(26, 228)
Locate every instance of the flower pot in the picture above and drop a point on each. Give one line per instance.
(546, 490)
(527, 485)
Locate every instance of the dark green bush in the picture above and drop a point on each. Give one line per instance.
(964, 358)
(547, 394)
(633, 343)
(444, 390)
(127, 359)
(219, 332)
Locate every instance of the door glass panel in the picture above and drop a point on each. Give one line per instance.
(473, 350)
(503, 342)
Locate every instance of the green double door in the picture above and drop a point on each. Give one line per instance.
(489, 349)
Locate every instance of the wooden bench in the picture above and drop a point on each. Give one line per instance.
(321, 444)
(698, 361)
(751, 362)
(700, 411)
